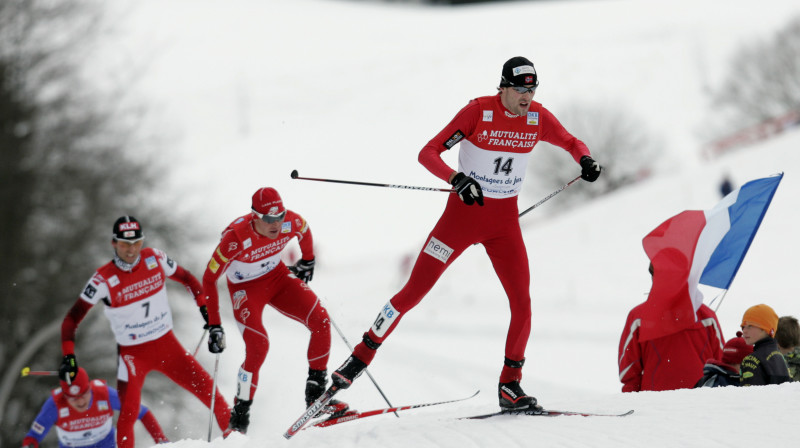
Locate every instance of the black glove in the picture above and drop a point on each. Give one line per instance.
(216, 339)
(68, 369)
(590, 170)
(204, 312)
(468, 189)
(304, 269)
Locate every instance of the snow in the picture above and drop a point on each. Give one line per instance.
(249, 90)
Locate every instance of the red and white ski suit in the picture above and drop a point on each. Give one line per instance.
(495, 148)
(141, 319)
(257, 277)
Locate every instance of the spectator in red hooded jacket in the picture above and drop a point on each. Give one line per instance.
(676, 360)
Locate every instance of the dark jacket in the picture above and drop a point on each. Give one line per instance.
(765, 365)
(716, 374)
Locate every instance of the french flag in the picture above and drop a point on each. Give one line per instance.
(715, 242)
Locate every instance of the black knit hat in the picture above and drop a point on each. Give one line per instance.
(519, 71)
(128, 228)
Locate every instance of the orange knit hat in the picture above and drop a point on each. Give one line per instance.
(761, 316)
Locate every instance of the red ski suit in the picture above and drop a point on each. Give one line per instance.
(670, 362)
(257, 277)
(495, 148)
(141, 319)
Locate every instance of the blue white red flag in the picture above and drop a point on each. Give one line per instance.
(700, 247)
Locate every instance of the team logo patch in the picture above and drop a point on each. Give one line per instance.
(102, 405)
(239, 297)
(533, 118)
(488, 115)
(213, 266)
(90, 291)
(286, 227)
(63, 412)
(438, 250)
(37, 427)
(483, 136)
(151, 262)
(113, 281)
(247, 243)
(454, 139)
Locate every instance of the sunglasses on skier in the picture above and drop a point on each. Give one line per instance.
(269, 219)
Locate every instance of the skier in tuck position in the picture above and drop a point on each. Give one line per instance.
(497, 134)
(250, 252)
(133, 288)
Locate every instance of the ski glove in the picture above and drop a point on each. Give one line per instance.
(204, 312)
(468, 189)
(216, 339)
(68, 369)
(304, 269)
(590, 170)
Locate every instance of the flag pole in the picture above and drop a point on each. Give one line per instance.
(721, 298)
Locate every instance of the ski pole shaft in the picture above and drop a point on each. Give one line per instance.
(295, 175)
(26, 371)
(548, 197)
(202, 338)
(213, 397)
(338, 330)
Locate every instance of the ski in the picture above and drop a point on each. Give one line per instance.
(311, 411)
(547, 413)
(355, 415)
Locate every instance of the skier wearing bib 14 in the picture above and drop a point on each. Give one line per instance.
(497, 134)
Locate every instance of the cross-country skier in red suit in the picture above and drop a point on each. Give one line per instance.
(133, 288)
(250, 253)
(497, 134)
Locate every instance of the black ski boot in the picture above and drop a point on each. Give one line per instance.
(315, 387)
(240, 415)
(513, 398)
(344, 376)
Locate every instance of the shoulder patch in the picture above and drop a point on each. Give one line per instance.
(454, 139)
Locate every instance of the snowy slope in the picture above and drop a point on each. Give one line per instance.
(250, 90)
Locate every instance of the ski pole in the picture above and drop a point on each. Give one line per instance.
(26, 371)
(213, 397)
(550, 196)
(404, 187)
(202, 338)
(338, 330)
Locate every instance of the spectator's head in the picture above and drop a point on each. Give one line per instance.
(758, 322)
(735, 350)
(788, 333)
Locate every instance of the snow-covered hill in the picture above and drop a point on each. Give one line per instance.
(251, 90)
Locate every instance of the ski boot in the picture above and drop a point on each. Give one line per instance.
(315, 387)
(240, 416)
(513, 398)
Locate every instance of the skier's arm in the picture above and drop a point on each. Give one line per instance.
(459, 127)
(554, 133)
(219, 262)
(69, 327)
(41, 424)
(190, 282)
